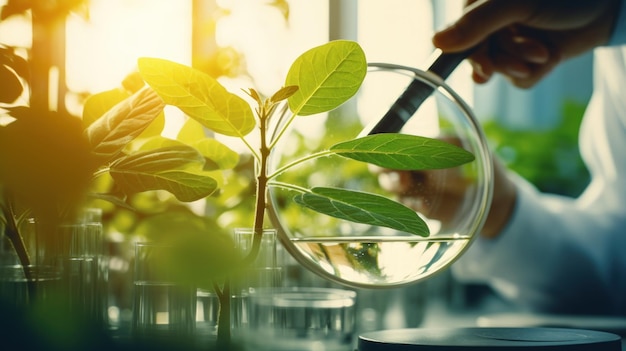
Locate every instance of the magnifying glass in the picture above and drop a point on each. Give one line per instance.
(410, 101)
(443, 64)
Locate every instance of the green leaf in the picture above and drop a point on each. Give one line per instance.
(216, 154)
(154, 143)
(403, 152)
(191, 131)
(176, 169)
(361, 207)
(327, 76)
(98, 104)
(254, 95)
(185, 185)
(109, 134)
(115, 200)
(284, 93)
(198, 95)
(162, 159)
(11, 87)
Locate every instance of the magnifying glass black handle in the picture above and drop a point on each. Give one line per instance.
(415, 94)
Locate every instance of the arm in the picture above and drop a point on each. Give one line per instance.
(524, 40)
(561, 254)
(548, 252)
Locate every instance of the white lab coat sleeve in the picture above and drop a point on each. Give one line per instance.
(568, 255)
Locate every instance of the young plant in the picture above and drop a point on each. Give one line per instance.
(319, 80)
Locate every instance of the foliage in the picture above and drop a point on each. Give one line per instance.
(50, 160)
(547, 158)
(12, 67)
(319, 80)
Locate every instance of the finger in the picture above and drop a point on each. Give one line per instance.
(492, 16)
(537, 73)
(521, 73)
(528, 49)
(523, 69)
(511, 66)
(481, 64)
(524, 43)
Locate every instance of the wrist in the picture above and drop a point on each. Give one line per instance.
(502, 203)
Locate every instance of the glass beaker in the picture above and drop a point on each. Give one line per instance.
(301, 319)
(163, 307)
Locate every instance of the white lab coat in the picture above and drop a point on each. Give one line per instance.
(567, 255)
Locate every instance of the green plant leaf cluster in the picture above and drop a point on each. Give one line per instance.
(199, 95)
(319, 80)
(159, 163)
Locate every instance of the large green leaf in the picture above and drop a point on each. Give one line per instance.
(98, 104)
(364, 208)
(327, 76)
(216, 154)
(109, 134)
(185, 185)
(191, 131)
(176, 169)
(153, 143)
(403, 152)
(162, 159)
(198, 95)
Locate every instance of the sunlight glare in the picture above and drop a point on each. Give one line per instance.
(104, 49)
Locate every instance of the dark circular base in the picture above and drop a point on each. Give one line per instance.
(492, 339)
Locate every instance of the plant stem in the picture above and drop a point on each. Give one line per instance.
(12, 232)
(223, 323)
(223, 329)
(288, 186)
(284, 128)
(261, 188)
(299, 161)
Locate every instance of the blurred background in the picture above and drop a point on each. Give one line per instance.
(89, 46)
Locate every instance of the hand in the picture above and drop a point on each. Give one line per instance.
(525, 39)
(438, 194)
